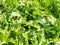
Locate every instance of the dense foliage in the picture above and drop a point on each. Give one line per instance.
(29, 22)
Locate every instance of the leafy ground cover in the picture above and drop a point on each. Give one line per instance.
(29, 22)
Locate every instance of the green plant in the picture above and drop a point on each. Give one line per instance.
(29, 22)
